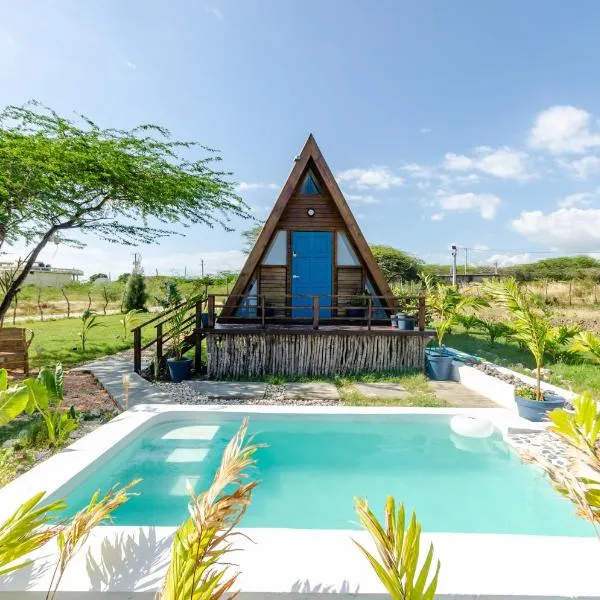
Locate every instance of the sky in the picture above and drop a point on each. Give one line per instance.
(466, 122)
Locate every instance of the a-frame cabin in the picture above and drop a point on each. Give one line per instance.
(310, 246)
(311, 299)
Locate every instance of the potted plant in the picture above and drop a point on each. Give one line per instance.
(360, 301)
(532, 330)
(179, 327)
(529, 405)
(447, 304)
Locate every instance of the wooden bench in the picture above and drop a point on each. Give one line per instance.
(14, 348)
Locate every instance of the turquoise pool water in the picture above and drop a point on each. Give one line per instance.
(314, 465)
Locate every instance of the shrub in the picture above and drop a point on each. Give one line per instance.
(135, 295)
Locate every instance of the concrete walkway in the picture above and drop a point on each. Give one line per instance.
(459, 396)
(110, 372)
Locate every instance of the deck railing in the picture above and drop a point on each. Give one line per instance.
(316, 310)
(256, 308)
(164, 333)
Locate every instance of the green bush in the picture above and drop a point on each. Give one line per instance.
(135, 293)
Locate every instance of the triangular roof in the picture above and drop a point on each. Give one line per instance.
(310, 155)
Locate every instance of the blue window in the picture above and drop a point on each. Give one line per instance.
(309, 186)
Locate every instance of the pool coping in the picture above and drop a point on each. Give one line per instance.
(294, 563)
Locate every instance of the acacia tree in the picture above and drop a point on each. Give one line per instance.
(58, 176)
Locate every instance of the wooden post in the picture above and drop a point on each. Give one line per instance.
(211, 310)
(137, 349)
(198, 338)
(370, 313)
(262, 311)
(159, 341)
(315, 312)
(421, 313)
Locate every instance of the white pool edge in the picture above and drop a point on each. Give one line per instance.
(294, 562)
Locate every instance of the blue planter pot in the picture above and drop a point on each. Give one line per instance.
(535, 410)
(355, 313)
(179, 369)
(204, 317)
(438, 366)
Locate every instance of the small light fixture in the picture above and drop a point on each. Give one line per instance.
(311, 212)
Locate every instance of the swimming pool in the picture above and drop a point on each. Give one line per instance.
(313, 466)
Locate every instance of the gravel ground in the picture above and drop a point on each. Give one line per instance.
(274, 395)
(544, 444)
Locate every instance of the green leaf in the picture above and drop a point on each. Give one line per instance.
(13, 402)
(3, 380)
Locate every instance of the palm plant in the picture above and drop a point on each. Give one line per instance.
(180, 326)
(196, 571)
(27, 529)
(581, 430)
(73, 535)
(448, 305)
(398, 550)
(128, 321)
(469, 322)
(587, 344)
(557, 346)
(495, 330)
(531, 327)
(88, 322)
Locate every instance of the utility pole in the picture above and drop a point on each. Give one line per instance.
(466, 259)
(202, 267)
(453, 247)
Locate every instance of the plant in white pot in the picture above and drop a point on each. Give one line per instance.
(448, 305)
(531, 329)
(180, 326)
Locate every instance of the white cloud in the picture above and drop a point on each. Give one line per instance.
(562, 129)
(582, 168)
(566, 229)
(130, 65)
(215, 12)
(425, 130)
(437, 217)
(260, 185)
(504, 162)
(509, 260)
(360, 199)
(484, 203)
(575, 199)
(381, 178)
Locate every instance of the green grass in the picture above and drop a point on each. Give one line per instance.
(414, 382)
(58, 340)
(579, 377)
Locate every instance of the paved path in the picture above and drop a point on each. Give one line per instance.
(229, 390)
(110, 372)
(458, 395)
(380, 390)
(311, 392)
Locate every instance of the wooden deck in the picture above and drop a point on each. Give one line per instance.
(308, 329)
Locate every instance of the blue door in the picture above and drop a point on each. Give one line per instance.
(312, 255)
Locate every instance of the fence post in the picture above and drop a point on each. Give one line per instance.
(159, 341)
(421, 313)
(211, 310)
(369, 313)
(262, 311)
(198, 338)
(315, 312)
(137, 349)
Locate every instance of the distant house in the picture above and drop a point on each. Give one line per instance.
(44, 275)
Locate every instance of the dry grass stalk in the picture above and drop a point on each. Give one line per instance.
(126, 384)
(73, 535)
(196, 571)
